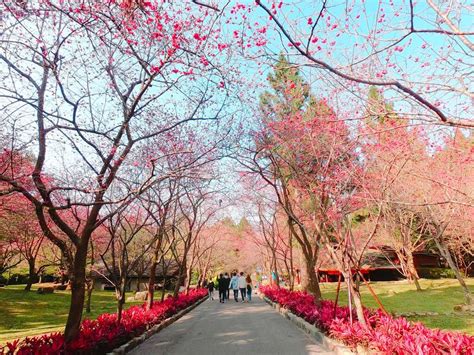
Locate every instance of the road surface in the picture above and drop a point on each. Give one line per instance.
(231, 328)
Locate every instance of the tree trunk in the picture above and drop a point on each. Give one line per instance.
(312, 284)
(151, 285)
(292, 274)
(163, 289)
(181, 276)
(357, 283)
(199, 280)
(154, 264)
(78, 280)
(275, 269)
(120, 303)
(204, 274)
(139, 280)
(206, 267)
(288, 271)
(412, 270)
(447, 255)
(355, 295)
(189, 273)
(90, 288)
(120, 298)
(31, 274)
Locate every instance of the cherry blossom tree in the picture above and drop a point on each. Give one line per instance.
(311, 161)
(393, 153)
(194, 211)
(25, 237)
(448, 208)
(9, 255)
(92, 82)
(161, 200)
(416, 51)
(128, 230)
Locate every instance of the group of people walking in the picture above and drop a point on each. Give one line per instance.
(238, 283)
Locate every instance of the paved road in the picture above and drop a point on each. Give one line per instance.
(231, 328)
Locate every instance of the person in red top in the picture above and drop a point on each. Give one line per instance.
(248, 279)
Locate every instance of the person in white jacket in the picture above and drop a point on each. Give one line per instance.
(242, 286)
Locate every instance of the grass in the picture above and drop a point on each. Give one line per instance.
(29, 313)
(438, 296)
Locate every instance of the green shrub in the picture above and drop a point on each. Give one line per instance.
(22, 278)
(436, 273)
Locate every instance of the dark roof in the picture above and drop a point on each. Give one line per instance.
(171, 270)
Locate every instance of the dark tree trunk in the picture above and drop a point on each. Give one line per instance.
(312, 283)
(78, 281)
(120, 303)
(181, 274)
(151, 285)
(31, 274)
(179, 281)
(154, 264)
(139, 280)
(121, 298)
(292, 274)
(163, 289)
(189, 273)
(90, 288)
(200, 280)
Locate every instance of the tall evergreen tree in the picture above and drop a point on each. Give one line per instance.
(291, 99)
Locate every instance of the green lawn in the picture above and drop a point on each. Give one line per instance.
(438, 296)
(29, 313)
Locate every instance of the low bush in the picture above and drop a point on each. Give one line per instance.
(104, 334)
(21, 278)
(436, 273)
(384, 334)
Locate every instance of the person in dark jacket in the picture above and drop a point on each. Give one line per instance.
(210, 290)
(222, 288)
(227, 283)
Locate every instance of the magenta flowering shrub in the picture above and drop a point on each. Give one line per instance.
(385, 334)
(104, 334)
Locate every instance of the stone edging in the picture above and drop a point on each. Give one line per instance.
(125, 348)
(328, 343)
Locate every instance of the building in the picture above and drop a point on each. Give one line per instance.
(164, 277)
(381, 264)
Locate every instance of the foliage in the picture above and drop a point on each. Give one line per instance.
(386, 334)
(105, 333)
(436, 273)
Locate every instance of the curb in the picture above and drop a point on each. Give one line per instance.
(125, 348)
(328, 343)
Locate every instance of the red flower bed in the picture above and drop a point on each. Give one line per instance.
(103, 334)
(386, 334)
